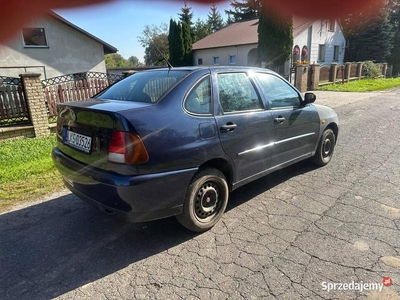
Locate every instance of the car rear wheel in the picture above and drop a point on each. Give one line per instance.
(325, 148)
(205, 200)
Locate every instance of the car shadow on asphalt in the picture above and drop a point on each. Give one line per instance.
(257, 187)
(60, 245)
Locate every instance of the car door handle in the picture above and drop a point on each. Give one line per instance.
(280, 119)
(228, 127)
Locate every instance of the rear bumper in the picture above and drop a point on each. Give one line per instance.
(135, 198)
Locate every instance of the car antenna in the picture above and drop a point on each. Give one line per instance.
(163, 57)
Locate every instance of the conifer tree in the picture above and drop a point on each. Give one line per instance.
(201, 29)
(176, 49)
(243, 10)
(187, 45)
(180, 44)
(275, 37)
(394, 59)
(214, 19)
(369, 34)
(187, 15)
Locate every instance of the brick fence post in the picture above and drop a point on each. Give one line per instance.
(359, 70)
(333, 72)
(315, 71)
(301, 78)
(347, 71)
(36, 104)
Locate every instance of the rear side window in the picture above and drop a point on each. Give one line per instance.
(236, 93)
(199, 99)
(143, 86)
(278, 92)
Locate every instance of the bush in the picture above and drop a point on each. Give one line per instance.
(370, 70)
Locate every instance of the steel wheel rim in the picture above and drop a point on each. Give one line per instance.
(207, 201)
(327, 147)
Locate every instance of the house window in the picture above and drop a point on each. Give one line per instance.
(321, 53)
(199, 61)
(336, 53)
(331, 25)
(232, 59)
(216, 60)
(34, 37)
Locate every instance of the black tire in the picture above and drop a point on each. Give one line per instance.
(205, 200)
(325, 148)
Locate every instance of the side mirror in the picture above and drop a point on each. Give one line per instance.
(309, 98)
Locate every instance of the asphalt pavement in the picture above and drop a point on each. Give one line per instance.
(299, 233)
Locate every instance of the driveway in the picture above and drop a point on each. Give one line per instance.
(299, 233)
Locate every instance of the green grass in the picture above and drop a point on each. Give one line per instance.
(363, 85)
(27, 170)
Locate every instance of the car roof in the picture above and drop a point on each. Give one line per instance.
(214, 68)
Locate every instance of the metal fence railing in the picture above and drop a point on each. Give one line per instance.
(74, 87)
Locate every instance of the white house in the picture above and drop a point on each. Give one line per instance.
(53, 46)
(318, 41)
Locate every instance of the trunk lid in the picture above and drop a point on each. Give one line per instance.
(84, 129)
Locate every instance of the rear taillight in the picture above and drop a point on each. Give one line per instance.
(126, 147)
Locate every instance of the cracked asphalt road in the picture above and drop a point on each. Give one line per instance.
(281, 237)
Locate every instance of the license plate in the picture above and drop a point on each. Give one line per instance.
(78, 141)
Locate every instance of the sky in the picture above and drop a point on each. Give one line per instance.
(120, 22)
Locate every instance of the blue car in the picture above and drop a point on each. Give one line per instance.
(175, 142)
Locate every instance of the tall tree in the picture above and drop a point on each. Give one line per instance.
(394, 59)
(155, 40)
(201, 29)
(176, 50)
(243, 10)
(275, 37)
(214, 19)
(369, 34)
(187, 44)
(186, 15)
(133, 60)
(116, 60)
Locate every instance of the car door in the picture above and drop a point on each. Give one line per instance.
(245, 126)
(296, 128)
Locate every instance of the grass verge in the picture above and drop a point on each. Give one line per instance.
(363, 85)
(27, 170)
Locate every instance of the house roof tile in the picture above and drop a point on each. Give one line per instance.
(234, 34)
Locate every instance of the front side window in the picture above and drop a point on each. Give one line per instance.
(278, 92)
(216, 60)
(144, 86)
(336, 53)
(236, 93)
(34, 37)
(199, 99)
(321, 53)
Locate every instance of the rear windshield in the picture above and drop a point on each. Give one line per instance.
(143, 86)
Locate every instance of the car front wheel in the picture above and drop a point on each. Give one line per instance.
(205, 200)
(325, 148)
